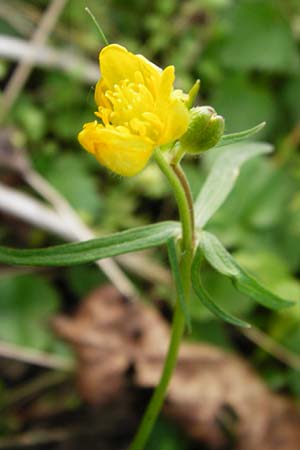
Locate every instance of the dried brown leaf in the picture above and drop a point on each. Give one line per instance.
(210, 391)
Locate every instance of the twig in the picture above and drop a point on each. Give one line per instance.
(146, 268)
(30, 15)
(59, 204)
(81, 232)
(16, 21)
(15, 271)
(35, 438)
(35, 357)
(22, 72)
(272, 347)
(26, 52)
(34, 386)
(32, 211)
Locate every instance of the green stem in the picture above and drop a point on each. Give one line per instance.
(178, 325)
(178, 155)
(185, 184)
(182, 195)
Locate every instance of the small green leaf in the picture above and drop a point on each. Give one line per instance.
(178, 281)
(233, 138)
(223, 262)
(205, 297)
(78, 253)
(222, 177)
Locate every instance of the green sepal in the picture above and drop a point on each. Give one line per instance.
(205, 130)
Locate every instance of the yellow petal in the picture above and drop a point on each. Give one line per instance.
(171, 109)
(175, 123)
(100, 98)
(115, 148)
(166, 84)
(117, 64)
(85, 137)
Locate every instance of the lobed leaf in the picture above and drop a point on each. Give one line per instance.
(206, 299)
(222, 177)
(127, 241)
(223, 262)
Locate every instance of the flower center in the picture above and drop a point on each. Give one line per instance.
(132, 106)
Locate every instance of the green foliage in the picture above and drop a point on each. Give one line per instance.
(260, 38)
(292, 98)
(238, 93)
(82, 279)
(272, 271)
(262, 214)
(222, 178)
(233, 138)
(88, 251)
(223, 262)
(31, 118)
(205, 297)
(27, 302)
(71, 176)
(168, 436)
(224, 294)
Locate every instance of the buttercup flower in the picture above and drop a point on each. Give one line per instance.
(139, 110)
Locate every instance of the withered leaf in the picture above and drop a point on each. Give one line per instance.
(211, 390)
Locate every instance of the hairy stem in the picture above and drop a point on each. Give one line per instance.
(182, 195)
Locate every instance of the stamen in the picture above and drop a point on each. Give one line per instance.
(104, 115)
(138, 77)
(133, 106)
(138, 126)
(153, 120)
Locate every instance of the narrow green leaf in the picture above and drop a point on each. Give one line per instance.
(83, 252)
(222, 177)
(223, 262)
(217, 255)
(206, 299)
(233, 138)
(178, 281)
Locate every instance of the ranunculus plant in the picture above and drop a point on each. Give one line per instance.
(141, 116)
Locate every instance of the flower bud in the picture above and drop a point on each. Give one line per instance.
(204, 131)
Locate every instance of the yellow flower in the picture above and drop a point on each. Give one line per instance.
(139, 110)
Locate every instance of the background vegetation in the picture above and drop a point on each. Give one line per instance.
(247, 55)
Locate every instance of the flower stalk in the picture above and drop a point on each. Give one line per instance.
(181, 190)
